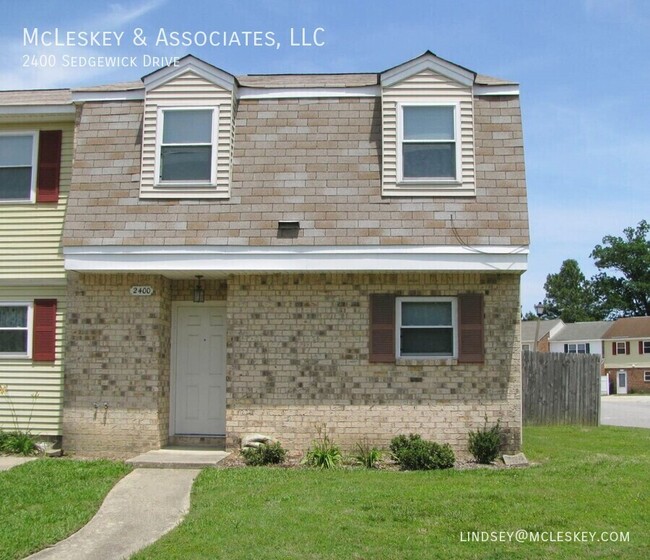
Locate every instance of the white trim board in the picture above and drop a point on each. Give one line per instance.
(174, 259)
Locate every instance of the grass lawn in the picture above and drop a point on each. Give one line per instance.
(589, 479)
(44, 501)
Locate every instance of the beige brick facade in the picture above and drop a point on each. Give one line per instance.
(297, 359)
(312, 160)
(297, 352)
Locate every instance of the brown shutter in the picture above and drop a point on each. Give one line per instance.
(470, 329)
(641, 347)
(49, 166)
(614, 348)
(44, 344)
(627, 347)
(382, 328)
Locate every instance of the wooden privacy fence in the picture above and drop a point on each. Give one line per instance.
(560, 388)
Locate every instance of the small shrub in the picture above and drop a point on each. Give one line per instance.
(323, 453)
(17, 443)
(366, 455)
(484, 443)
(402, 442)
(265, 454)
(414, 453)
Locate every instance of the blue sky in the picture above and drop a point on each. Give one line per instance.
(582, 65)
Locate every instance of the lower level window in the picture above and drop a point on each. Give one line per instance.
(646, 376)
(14, 330)
(426, 327)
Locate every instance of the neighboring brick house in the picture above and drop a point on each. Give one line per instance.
(627, 355)
(36, 143)
(358, 238)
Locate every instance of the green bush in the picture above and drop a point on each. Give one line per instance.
(414, 453)
(366, 455)
(17, 443)
(323, 453)
(265, 454)
(484, 443)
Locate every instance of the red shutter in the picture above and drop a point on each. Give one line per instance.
(641, 347)
(627, 347)
(44, 343)
(49, 166)
(614, 348)
(470, 329)
(382, 328)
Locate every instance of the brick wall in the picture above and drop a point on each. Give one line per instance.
(117, 352)
(298, 359)
(312, 160)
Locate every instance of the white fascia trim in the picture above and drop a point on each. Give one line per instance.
(67, 109)
(282, 259)
(497, 90)
(290, 93)
(210, 73)
(124, 95)
(437, 65)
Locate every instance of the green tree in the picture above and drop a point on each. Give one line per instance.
(569, 295)
(626, 290)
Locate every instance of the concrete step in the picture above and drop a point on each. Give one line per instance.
(178, 458)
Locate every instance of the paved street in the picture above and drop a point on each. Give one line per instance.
(625, 410)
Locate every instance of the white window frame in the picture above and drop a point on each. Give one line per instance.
(645, 345)
(34, 166)
(576, 348)
(646, 376)
(160, 126)
(455, 105)
(30, 329)
(620, 345)
(454, 325)
(525, 347)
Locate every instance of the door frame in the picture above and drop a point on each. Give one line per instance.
(172, 354)
(618, 388)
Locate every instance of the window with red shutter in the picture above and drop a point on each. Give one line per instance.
(471, 347)
(49, 166)
(44, 338)
(382, 328)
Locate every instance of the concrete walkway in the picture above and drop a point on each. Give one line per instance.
(143, 506)
(11, 461)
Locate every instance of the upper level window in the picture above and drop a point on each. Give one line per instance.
(17, 166)
(621, 348)
(579, 348)
(187, 146)
(428, 143)
(646, 347)
(426, 327)
(14, 330)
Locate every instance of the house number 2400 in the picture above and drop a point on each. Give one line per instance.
(141, 291)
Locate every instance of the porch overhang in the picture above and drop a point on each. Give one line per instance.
(174, 260)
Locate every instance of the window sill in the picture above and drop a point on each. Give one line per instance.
(426, 361)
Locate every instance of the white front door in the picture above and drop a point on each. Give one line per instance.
(199, 395)
(621, 382)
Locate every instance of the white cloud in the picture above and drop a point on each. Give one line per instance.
(115, 18)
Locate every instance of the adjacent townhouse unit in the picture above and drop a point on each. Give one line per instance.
(36, 145)
(627, 355)
(580, 338)
(282, 253)
(536, 335)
